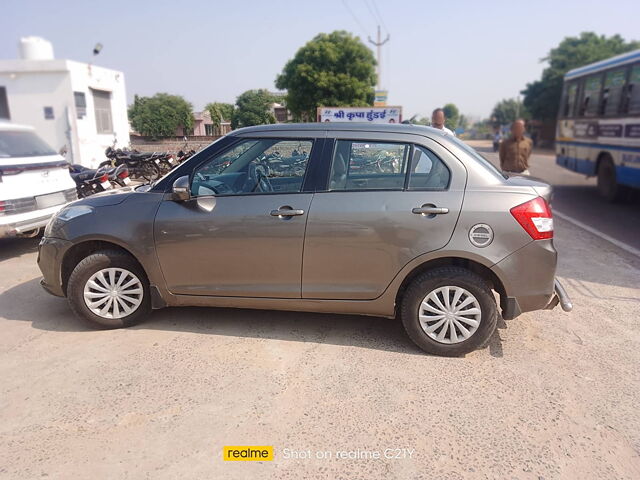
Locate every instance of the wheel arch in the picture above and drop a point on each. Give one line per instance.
(472, 265)
(81, 250)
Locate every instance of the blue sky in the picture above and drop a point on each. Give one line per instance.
(466, 52)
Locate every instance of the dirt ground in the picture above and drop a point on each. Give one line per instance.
(554, 396)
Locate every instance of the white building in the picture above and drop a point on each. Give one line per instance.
(72, 105)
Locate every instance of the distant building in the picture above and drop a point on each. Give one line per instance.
(74, 106)
(280, 113)
(204, 126)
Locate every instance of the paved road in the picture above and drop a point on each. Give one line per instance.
(554, 396)
(576, 196)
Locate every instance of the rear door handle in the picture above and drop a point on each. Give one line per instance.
(286, 212)
(429, 210)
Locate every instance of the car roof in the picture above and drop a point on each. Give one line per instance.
(402, 128)
(14, 126)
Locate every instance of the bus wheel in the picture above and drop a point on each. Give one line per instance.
(608, 187)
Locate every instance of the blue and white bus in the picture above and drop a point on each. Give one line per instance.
(598, 131)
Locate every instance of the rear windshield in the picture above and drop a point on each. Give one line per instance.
(22, 144)
(481, 160)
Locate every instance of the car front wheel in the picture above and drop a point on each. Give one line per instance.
(449, 311)
(109, 289)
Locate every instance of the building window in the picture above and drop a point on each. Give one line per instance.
(208, 130)
(81, 104)
(48, 113)
(102, 107)
(4, 104)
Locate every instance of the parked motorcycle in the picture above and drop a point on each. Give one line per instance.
(89, 181)
(140, 165)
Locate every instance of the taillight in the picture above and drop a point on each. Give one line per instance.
(2, 208)
(104, 178)
(535, 217)
(123, 174)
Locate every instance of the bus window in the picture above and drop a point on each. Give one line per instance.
(632, 94)
(612, 93)
(591, 96)
(570, 100)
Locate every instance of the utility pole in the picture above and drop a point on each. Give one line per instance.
(379, 44)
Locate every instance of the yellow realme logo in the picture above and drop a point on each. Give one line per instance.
(247, 453)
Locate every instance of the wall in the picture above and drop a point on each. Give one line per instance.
(33, 84)
(84, 78)
(28, 92)
(171, 144)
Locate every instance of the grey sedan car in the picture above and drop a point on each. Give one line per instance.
(386, 220)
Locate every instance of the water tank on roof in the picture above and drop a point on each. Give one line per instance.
(35, 48)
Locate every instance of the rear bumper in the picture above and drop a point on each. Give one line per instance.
(14, 225)
(528, 278)
(50, 254)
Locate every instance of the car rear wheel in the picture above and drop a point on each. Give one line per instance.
(449, 311)
(109, 289)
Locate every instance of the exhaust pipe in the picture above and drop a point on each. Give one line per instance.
(565, 301)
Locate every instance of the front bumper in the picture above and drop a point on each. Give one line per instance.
(50, 254)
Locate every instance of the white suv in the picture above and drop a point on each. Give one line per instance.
(34, 181)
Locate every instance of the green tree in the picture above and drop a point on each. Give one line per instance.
(160, 115)
(253, 108)
(415, 120)
(542, 97)
(507, 111)
(452, 115)
(220, 111)
(334, 69)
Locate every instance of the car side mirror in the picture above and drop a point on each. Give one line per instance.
(181, 189)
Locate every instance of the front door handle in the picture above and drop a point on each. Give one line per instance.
(429, 210)
(286, 212)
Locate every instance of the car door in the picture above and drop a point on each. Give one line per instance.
(242, 231)
(389, 199)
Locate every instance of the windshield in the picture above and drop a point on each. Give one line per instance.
(481, 160)
(22, 144)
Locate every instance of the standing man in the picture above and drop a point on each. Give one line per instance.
(437, 121)
(515, 151)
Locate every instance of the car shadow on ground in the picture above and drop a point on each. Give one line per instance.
(28, 302)
(16, 247)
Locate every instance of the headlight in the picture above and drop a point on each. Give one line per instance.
(64, 215)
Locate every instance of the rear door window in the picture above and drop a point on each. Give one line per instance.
(365, 165)
(427, 171)
(22, 144)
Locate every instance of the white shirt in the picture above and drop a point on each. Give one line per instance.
(445, 129)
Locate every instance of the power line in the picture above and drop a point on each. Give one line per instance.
(353, 15)
(375, 6)
(375, 20)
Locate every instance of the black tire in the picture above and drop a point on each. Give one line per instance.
(92, 264)
(448, 276)
(149, 171)
(608, 187)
